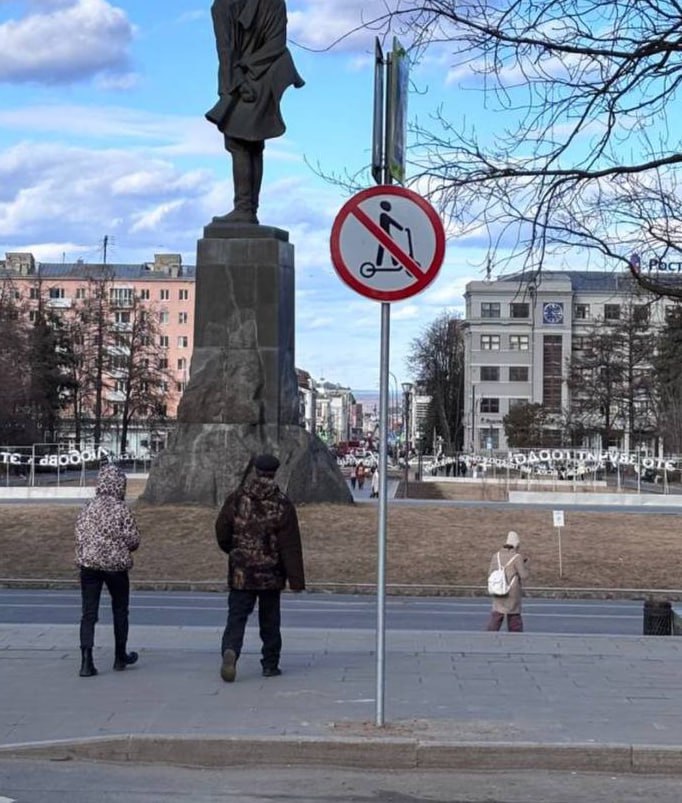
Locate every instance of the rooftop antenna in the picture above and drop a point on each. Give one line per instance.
(488, 270)
(105, 244)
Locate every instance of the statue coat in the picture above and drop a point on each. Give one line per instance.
(255, 68)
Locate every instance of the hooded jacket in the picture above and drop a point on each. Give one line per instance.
(258, 528)
(106, 530)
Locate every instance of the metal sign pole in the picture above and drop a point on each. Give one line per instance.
(383, 507)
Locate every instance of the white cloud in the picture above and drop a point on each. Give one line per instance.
(63, 42)
(323, 24)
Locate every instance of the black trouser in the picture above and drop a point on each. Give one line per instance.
(118, 586)
(240, 606)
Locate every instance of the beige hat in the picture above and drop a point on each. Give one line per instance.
(513, 539)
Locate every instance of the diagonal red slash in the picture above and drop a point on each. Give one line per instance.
(389, 244)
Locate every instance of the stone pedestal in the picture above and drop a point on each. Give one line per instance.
(242, 395)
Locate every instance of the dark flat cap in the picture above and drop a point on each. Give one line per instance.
(267, 463)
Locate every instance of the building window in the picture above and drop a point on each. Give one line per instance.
(121, 296)
(489, 405)
(519, 310)
(35, 294)
(118, 362)
(183, 295)
(489, 438)
(144, 294)
(163, 341)
(640, 314)
(551, 372)
(490, 373)
(490, 309)
(33, 316)
(182, 364)
(163, 317)
(164, 295)
(490, 342)
(579, 343)
(56, 292)
(163, 363)
(80, 292)
(518, 373)
(122, 317)
(518, 342)
(180, 387)
(516, 403)
(611, 312)
(183, 342)
(581, 312)
(182, 317)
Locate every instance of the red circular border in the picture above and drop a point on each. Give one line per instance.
(387, 295)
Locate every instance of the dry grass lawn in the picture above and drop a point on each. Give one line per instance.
(434, 549)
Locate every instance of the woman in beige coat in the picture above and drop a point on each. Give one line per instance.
(516, 570)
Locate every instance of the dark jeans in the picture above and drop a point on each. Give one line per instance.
(118, 586)
(514, 622)
(240, 606)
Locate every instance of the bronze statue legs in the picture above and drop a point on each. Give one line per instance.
(247, 174)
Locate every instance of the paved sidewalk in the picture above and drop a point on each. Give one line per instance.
(452, 700)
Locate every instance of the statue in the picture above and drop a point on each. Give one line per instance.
(255, 69)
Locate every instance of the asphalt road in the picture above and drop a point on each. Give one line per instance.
(85, 782)
(195, 609)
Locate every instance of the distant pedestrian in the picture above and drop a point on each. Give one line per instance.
(515, 566)
(353, 476)
(258, 528)
(360, 472)
(375, 484)
(106, 535)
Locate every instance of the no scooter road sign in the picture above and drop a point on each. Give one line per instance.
(387, 243)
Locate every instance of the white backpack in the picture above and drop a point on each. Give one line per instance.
(498, 585)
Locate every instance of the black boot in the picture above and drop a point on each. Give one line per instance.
(87, 666)
(124, 659)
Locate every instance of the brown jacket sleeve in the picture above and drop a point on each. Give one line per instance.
(290, 549)
(224, 525)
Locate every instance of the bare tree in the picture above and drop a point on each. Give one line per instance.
(587, 150)
(610, 377)
(668, 365)
(436, 360)
(139, 367)
(17, 425)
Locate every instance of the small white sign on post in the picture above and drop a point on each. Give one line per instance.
(558, 516)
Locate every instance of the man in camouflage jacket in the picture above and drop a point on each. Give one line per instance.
(258, 528)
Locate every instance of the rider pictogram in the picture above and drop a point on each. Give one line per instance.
(389, 224)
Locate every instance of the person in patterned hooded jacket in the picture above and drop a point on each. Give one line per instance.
(258, 528)
(106, 537)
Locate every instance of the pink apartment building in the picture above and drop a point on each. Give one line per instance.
(165, 284)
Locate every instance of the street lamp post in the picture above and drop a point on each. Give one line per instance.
(407, 393)
(394, 412)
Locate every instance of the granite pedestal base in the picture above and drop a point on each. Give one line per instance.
(242, 396)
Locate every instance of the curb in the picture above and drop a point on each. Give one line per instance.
(369, 753)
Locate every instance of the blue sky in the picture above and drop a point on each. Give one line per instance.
(102, 133)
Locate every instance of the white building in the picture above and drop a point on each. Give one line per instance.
(521, 331)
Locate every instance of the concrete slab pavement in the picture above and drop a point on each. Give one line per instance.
(452, 700)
